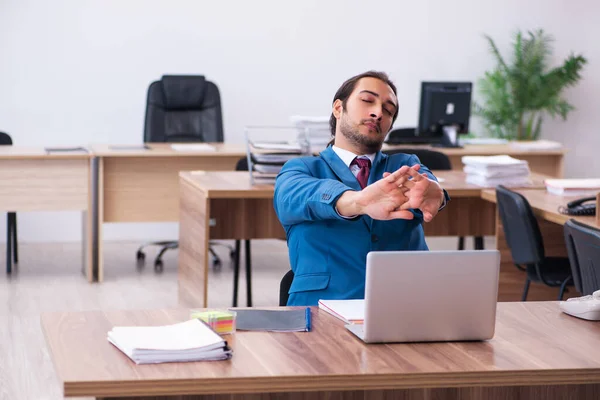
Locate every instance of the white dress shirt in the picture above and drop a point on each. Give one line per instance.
(347, 157)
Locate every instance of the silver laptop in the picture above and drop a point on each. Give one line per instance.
(430, 296)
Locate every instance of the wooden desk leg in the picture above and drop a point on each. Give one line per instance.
(88, 224)
(194, 219)
(97, 217)
(87, 247)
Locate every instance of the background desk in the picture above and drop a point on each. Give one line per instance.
(142, 185)
(547, 162)
(537, 353)
(545, 207)
(223, 205)
(33, 180)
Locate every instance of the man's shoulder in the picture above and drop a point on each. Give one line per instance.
(305, 162)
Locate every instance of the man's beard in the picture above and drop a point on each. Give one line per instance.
(367, 144)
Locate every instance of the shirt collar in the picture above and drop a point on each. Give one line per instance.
(347, 156)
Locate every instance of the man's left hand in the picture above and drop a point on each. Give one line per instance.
(423, 193)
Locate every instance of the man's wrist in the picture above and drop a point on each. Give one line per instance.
(347, 204)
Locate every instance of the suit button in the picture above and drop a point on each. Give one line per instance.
(374, 238)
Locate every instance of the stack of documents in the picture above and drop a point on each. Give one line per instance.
(573, 187)
(539, 145)
(192, 340)
(315, 129)
(491, 171)
(349, 311)
(193, 147)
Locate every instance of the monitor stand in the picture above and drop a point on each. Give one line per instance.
(450, 138)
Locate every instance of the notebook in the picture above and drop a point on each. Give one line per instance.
(295, 320)
(349, 311)
(65, 149)
(192, 340)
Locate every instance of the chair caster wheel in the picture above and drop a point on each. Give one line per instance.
(158, 266)
(140, 255)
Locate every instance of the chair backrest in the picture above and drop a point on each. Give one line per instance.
(434, 160)
(183, 108)
(284, 287)
(242, 164)
(521, 228)
(583, 246)
(5, 139)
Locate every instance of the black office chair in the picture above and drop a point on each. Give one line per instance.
(182, 108)
(524, 239)
(284, 287)
(12, 246)
(436, 160)
(583, 247)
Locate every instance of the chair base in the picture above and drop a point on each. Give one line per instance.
(170, 245)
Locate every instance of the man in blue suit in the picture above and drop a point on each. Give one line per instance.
(353, 199)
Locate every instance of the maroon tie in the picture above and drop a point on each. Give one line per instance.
(365, 169)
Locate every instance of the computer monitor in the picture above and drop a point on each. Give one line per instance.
(445, 111)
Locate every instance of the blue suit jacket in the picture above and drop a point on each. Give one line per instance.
(327, 252)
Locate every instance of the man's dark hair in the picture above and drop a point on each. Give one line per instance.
(348, 87)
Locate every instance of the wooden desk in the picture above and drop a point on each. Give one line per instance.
(547, 162)
(224, 205)
(142, 185)
(545, 207)
(33, 180)
(537, 353)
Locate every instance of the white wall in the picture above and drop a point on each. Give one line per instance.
(76, 72)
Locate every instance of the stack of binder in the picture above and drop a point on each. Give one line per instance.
(268, 153)
(192, 340)
(491, 171)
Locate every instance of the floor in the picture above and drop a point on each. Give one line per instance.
(49, 278)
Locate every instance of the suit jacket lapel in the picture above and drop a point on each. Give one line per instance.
(378, 167)
(340, 169)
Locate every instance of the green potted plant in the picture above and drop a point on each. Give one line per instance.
(515, 95)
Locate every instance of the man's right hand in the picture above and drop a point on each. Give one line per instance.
(380, 200)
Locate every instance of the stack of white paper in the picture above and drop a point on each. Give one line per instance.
(187, 341)
(193, 147)
(315, 129)
(573, 187)
(539, 145)
(491, 171)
